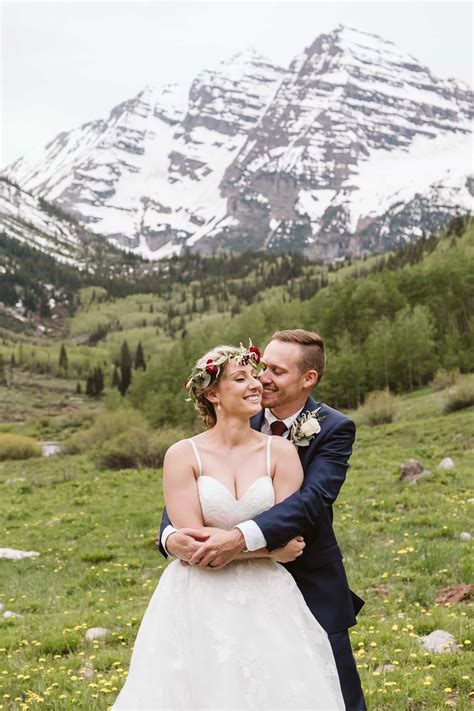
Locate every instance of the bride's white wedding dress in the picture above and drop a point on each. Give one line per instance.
(240, 637)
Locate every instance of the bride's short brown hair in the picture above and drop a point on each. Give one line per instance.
(313, 356)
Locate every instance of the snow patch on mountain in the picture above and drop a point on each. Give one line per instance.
(387, 177)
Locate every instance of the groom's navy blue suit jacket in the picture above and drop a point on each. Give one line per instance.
(319, 572)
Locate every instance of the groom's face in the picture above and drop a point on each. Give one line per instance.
(282, 379)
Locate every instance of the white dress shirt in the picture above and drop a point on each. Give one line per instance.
(253, 536)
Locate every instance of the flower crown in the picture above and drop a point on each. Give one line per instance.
(202, 377)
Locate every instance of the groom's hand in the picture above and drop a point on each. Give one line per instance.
(220, 548)
(185, 542)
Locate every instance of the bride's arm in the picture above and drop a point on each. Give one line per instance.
(180, 487)
(286, 554)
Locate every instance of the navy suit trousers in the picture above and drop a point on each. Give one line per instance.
(347, 670)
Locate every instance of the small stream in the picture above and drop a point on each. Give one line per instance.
(50, 448)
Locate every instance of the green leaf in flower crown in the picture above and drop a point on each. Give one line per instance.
(206, 380)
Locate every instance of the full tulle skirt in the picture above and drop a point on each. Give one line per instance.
(237, 638)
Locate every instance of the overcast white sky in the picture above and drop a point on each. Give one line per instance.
(66, 62)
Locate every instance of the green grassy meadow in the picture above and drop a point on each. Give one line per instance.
(98, 566)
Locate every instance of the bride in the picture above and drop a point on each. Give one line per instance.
(241, 636)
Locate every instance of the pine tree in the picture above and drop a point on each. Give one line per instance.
(95, 383)
(116, 378)
(44, 309)
(3, 372)
(63, 362)
(125, 368)
(98, 382)
(90, 386)
(125, 357)
(78, 389)
(140, 357)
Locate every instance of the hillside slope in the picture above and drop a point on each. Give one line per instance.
(94, 531)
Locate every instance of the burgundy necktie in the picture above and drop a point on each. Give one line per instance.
(278, 428)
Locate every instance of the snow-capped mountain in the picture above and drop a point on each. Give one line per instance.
(354, 148)
(32, 220)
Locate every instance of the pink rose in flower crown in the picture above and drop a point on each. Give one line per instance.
(211, 369)
(258, 355)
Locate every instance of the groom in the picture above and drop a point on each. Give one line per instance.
(295, 362)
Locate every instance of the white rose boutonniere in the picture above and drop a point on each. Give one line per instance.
(306, 427)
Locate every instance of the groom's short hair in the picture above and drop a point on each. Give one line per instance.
(313, 356)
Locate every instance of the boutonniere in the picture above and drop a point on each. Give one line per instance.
(306, 427)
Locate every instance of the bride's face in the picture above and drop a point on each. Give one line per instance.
(239, 391)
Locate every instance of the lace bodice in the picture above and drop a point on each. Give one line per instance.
(221, 509)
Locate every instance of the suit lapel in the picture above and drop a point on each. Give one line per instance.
(256, 421)
(309, 405)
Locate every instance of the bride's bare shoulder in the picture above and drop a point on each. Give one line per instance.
(179, 450)
(281, 445)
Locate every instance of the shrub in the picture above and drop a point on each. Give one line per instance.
(137, 447)
(380, 407)
(162, 440)
(123, 439)
(107, 425)
(461, 395)
(444, 379)
(77, 443)
(127, 450)
(18, 447)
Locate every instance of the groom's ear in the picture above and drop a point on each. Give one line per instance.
(310, 379)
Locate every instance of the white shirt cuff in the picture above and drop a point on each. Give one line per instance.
(253, 536)
(164, 537)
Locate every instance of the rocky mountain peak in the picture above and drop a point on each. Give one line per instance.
(355, 147)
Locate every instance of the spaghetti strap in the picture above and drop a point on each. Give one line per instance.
(269, 470)
(196, 452)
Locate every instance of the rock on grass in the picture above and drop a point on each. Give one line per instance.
(14, 554)
(446, 463)
(412, 470)
(96, 633)
(439, 641)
